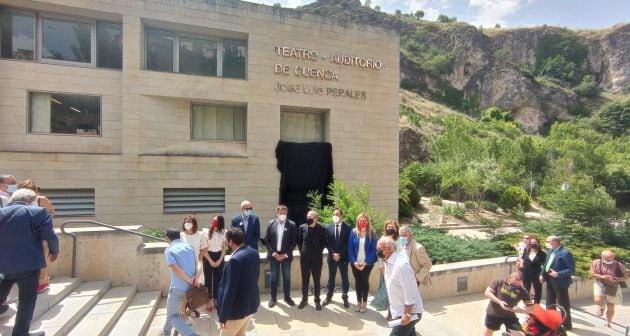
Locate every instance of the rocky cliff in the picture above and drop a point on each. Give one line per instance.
(471, 69)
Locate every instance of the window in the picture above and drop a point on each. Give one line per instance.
(64, 113)
(194, 200)
(298, 126)
(17, 34)
(195, 55)
(60, 39)
(212, 122)
(71, 202)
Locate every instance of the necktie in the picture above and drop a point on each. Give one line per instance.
(550, 260)
(337, 232)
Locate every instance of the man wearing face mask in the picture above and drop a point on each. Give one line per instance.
(8, 185)
(249, 223)
(504, 295)
(280, 241)
(607, 273)
(418, 257)
(337, 234)
(311, 241)
(557, 271)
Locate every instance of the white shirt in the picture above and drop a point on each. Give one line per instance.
(3, 201)
(215, 244)
(400, 282)
(361, 252)
(280, 233)
(196, 240)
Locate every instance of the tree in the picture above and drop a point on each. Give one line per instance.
(277, 5)
(377, 8)
(614, 118)
(587, 87)
(497, 26)
(368, 3)
(419, 14)
(398, 12)
(446, 19)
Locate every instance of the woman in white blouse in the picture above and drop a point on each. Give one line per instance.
(213, 260)
(196, 238)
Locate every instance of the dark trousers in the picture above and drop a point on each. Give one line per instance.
(408, 330)
(212, 275)
(276, 266)
(311, 267)
(535, 282)
(332, 273)
(27, 285)
(556, 295)
(362, 282)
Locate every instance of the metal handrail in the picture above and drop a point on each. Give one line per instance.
(74, 236)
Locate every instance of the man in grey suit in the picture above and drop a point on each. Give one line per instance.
(280, 241)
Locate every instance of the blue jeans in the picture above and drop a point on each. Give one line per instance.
(173, 319)
(285, 265)
(27, 285)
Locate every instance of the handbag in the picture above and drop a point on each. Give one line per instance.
(619, 274)
(197, 297)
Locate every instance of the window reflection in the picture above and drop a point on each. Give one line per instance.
(159, 50)
(109, 45)
(66, 40)
(17, 35)
(234, 58)
(197, 56)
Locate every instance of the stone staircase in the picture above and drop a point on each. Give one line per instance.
(73, 307)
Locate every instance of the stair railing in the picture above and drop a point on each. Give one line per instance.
(75, 237)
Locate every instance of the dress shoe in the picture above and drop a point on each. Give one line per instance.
(318, 306)
(327, 300)
(289, 301)
(302, 304)
(271, 303)
(37, 333)
(346, 304)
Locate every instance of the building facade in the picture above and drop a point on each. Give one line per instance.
(138, 112)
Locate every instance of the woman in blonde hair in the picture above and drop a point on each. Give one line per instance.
(44, 202)
(362, 255)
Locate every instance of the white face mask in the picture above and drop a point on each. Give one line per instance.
(548, 245)
(608, 262)
(336, 219)
(188, 226)
(282, 218)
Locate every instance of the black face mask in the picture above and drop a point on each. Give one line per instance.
(391, 232)
(380, 254)
(533, 246)
(309, 221)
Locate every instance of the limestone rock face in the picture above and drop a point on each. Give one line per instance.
(609, 57)
(413, 147)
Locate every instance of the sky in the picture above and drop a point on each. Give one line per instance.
(575, 14)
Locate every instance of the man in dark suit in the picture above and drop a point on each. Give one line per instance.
(280, 241)
(238, 293)
(249, 223)
(557, 271)
(337, 234)
(22, 229)
(311, 240)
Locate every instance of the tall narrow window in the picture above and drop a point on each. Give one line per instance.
(109, 45)
(159, 50)
(66, 40)
(197, 56)
(17, 35)
(234, 58)
(65, 114)
(211, 122)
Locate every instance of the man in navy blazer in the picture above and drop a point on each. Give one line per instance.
(280, 241)
(557, 271)
(22, 230)
(249, 223)
(238, 293)
(337, 234)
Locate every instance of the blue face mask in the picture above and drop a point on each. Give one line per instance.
(11, 188)
(514, 287)
(248, 212)
(403, 240)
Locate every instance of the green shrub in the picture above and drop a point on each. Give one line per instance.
(587, 87)
(408, 196)
(439, 64)
(614, 118)
(412, 116)
(454, 210)
(470, 205)
(512, 197)
(560, 68)
(435, 200)
(443, 248)
(493, 225)
(159, 233)
(489, 206)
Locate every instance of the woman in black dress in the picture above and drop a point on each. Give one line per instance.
(532, 262)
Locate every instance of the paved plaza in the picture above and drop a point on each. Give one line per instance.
(455, 316)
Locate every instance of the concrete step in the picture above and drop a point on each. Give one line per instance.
(60, 319)
(60, 287)
(136, 319)
(104, 315)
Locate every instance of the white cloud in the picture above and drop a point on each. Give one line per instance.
(490, 12)
(297, 3)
